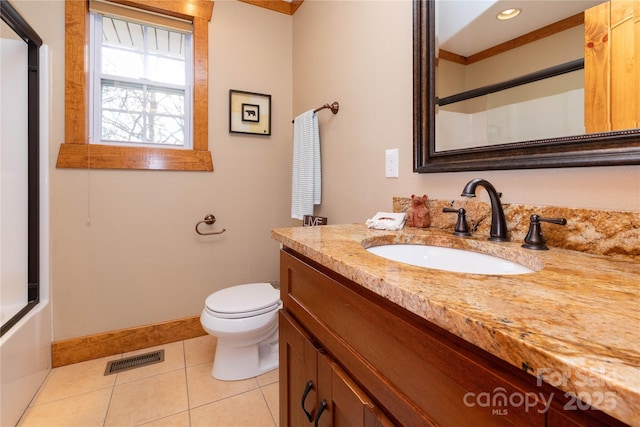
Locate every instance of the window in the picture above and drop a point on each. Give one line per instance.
(148, 74)
(141, 85)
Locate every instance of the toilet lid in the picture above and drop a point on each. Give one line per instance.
(243, 300)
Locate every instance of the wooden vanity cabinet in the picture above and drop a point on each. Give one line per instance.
(373, 360)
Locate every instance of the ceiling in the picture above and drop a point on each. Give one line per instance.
(466, 27)
(288, 7)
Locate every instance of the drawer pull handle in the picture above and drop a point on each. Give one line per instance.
(323, 406)
(307, 389)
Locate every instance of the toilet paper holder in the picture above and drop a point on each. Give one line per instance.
(209, 220)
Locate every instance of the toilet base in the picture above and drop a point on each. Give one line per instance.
(233, 363)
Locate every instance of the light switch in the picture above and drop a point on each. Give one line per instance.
(391, 163)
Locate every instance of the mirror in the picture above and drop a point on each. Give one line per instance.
(496, 143)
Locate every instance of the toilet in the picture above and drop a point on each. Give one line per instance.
(244, 318)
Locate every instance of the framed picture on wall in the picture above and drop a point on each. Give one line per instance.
(249, 112)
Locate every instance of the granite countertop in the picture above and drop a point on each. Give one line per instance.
(574, 322)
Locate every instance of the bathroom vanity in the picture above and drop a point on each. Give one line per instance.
(365, 340)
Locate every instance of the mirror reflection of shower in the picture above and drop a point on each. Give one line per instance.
(518, 80)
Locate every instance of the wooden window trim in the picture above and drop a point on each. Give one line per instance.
(76, 152)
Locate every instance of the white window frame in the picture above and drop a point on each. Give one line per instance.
(95, 104)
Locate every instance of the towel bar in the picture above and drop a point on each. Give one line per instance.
(209, 219)
(335, 107)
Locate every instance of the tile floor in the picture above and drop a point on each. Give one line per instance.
(177, 392)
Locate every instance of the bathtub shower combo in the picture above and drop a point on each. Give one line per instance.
(25, 311)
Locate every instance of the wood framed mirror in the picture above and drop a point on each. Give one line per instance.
(572, 149)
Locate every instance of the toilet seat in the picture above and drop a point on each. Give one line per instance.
(243, 301)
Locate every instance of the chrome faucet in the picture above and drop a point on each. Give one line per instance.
(498, 223)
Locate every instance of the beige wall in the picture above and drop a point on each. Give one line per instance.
(139, 261)
(556, 49)
(360, 54)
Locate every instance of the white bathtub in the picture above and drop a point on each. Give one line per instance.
(25, 351)
(25, 361)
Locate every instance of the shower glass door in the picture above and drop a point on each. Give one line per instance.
(19, 135)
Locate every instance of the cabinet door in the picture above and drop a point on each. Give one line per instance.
(298, 374)
(314, 390)
(341, 403)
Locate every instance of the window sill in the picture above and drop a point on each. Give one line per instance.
(88, 156)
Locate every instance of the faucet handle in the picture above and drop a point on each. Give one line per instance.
(534, 238)
(461, 228)
(559, 221)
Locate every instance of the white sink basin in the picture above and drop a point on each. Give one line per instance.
(456, 260)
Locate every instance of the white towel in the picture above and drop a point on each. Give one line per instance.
(387, 221)
(306, 188)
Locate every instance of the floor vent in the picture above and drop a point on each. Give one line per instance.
(133, 362)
